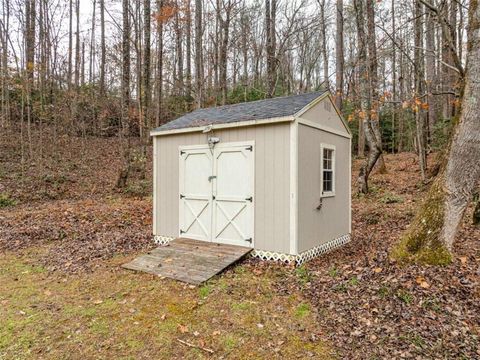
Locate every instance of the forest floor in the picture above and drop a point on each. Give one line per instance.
(64, 232)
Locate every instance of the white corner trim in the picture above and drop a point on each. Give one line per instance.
(293, 187)
(324, 128)
(223, 126)
(155, 178)
(350, 187)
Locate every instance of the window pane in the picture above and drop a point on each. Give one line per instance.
(327, 159)
(327, 181)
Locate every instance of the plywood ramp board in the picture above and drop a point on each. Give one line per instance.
(187, 260)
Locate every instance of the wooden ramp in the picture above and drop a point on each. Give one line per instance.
(187, 260)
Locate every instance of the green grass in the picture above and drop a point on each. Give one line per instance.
(6, 201)
(115, 313)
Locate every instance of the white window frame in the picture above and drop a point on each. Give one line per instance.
(334, 150)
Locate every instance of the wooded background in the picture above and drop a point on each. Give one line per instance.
(137, 64)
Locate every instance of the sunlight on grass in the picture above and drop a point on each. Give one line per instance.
(121, 314)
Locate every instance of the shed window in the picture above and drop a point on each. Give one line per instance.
(328, 170)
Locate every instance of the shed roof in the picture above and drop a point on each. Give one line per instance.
(253, 110)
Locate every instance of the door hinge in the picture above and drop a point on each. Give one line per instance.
(213, 197)
(249, 148)
(211, 177)
(249, 240)
(182, 196)
(249, 199)
(182, 152)
(182, 232)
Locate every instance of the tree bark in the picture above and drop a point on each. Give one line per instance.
(270, 15)
(147, 89)
(431, 235)
(198, 54)
(339, 64)
(365, 100)
(159, 70)
(103, 48)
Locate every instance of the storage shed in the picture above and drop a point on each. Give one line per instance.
(272, 174)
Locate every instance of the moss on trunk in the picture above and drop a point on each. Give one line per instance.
(421, 243)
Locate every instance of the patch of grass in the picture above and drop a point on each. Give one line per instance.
(139, 188)
(432, 304)
(333, 272)
(204, 291)
(6, 201)
(384, 291)
(229, 343)
(302, 274)
(404, 296)
(121, 314)
(353, 281)
(390, 198)
(302, 310)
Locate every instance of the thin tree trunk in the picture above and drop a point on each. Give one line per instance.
(125, 88)
(339, 64)
(77, 45)
(159, 72)
(103, 48)
(188, 48)
(70, 45)
(199, 98)
(365, 98)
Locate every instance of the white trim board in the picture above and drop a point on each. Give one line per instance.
(223, 126)
(324, 128)
(294, 188)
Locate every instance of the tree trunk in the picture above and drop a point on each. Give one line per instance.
(188, 49)
(103, 50)
(159, 70)
(430, 72)
(77, 45)
(365, 100)
(70, 45)
(125, 88)
(430, 237)
(270, 15)
(323, 33)
(339, 64)
(373, 77)
(147, 89)
(419, 88)
(198, 54)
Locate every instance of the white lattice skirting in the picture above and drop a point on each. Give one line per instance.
(304, 256)
(285, 258)
(162, 240)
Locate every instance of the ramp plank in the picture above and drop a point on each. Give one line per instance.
(187, 260)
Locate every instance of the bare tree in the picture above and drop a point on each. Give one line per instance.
(339, 57)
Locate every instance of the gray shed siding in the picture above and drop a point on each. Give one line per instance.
(272, 182)
(324, 114)
(316, 227)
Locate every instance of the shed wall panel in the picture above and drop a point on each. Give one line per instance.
(324, 113)
(317, 227)
(272, 182)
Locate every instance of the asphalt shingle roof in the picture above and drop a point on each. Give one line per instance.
(254, 110)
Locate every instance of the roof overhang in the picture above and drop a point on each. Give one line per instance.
(223, 126)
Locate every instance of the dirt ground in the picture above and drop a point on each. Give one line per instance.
(64, 231)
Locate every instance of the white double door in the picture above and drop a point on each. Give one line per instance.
(216, 193)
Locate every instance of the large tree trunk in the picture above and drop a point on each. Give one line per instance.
(430, 237)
